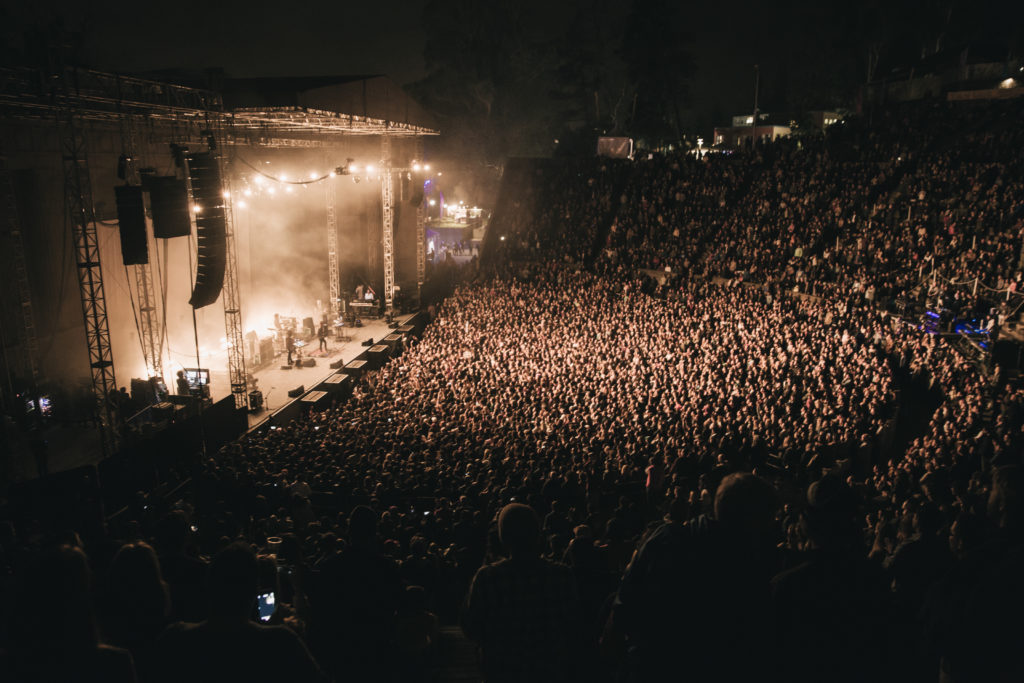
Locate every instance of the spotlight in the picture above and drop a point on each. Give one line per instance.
(242, 204)
(272, 190)
(289, 189)
(226, 194)
(369, 168)
(258, 179)
(416, 166)
(313, 175)
(433, 202)
(331, 174)
(353, 168)
(196, 208)
(283, 178)
(247, 193)
(426, 167)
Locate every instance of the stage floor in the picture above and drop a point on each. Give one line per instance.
(275, 382)
(71, 446)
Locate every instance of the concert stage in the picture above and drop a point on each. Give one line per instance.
(275, 382)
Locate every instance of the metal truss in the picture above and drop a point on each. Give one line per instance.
(145, 293)
(332, 251)
(285, 119)
(15, 249)
(79, 205)
(97, 95)
(421, 248)
(232, 301)
(149, 321)
(387, 192)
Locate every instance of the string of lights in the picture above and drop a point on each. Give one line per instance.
(314, 177)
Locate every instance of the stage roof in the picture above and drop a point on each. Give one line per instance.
(283, 111)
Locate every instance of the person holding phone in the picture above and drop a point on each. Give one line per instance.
(231, 645)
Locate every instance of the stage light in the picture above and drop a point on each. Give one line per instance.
(416, 167)
(247, 193)
(313, 175)
(288, 189)
(258, 179)
(272, 190)
(196, 208)
(242, 204)
(353, 168)
(426, 167)
(433, 202)
(283, 178)
(331, 174)
(226, 194)
(369, 168)
(439, 174)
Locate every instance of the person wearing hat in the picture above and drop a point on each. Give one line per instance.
(522, 611)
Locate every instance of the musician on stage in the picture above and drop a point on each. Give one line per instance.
(289, 345)
(322, 334)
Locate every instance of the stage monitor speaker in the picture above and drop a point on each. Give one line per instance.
(297, 391)
(255, 401)
(211, 228)
(168, 201)
(368, 342)
(131, 219)
(337, 365)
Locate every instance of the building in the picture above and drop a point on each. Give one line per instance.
(742, 130)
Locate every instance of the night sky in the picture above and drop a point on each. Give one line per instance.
(793, 41)
(313, 38)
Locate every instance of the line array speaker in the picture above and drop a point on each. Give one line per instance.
(131, 219)
(211, 228)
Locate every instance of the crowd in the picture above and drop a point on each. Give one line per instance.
(923, 203)
(603, 479)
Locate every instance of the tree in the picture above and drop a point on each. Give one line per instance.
(655, 48)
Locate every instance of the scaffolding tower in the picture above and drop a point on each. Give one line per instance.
(15, 249)
(144, 290)
(232, 300)
(421, 238)
(332, 251)
(387, 191)
(79, 205)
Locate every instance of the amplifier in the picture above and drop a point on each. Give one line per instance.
(255, 401)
